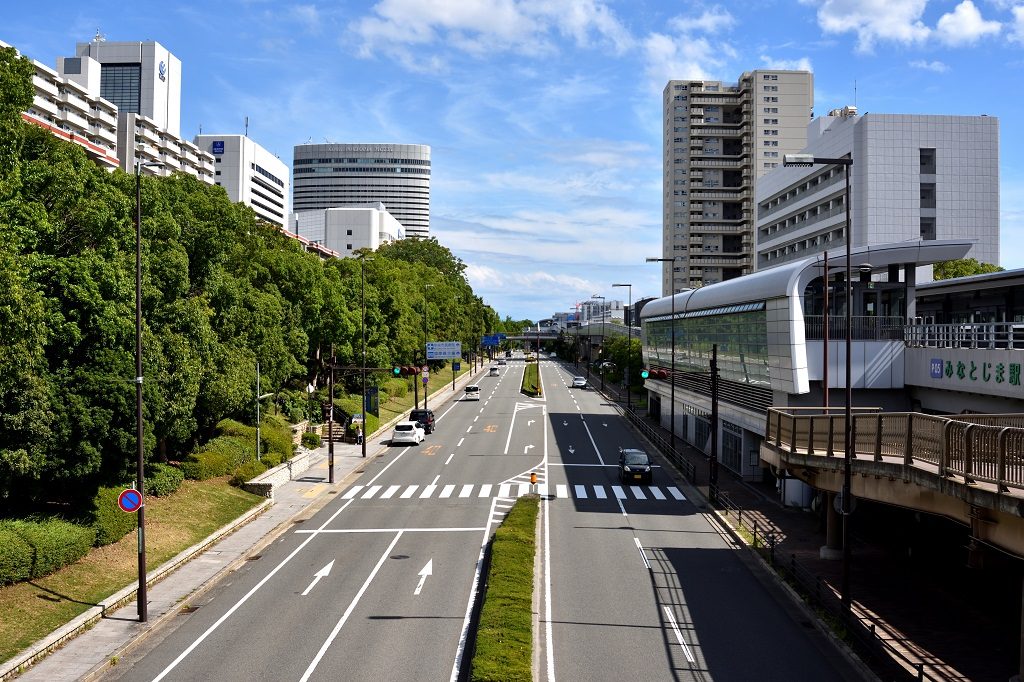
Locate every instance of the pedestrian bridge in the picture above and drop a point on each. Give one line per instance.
(969, 468)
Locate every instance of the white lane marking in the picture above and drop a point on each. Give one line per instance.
(503, 489)
(581, 492)
(563, 464)
(591, 437)
(638, 492)
(470, 428)
(546, 511)
(352, 492)
(447, 491)
(561, 490)
(619, 492)
(386, 495)
(409, 492)
(475, 418)
(449, 459)
(485, 490)
(436, 479)
(426, 571)
(656, 491)
(542, 489)
(227, 614)
(381, 472)
(428, 490)
(524, 489)
(322, 573)
(466, 490)
(679, 635)
(464, 635)
(342, 531)
(460, 442)
(348, 611)
(481, 410)
(676, 494)
(371, 491)
(599, 492)
(642, 555)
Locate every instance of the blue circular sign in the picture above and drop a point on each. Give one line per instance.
(129, 500)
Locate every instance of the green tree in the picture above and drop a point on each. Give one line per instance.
(963, 267)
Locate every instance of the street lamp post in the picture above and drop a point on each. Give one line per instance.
(629, 344)
(600, 369)
(425, 286)
(845, 162)
(140, 474)
(577, 335)
(362, 333)
(672, 370)
(259, 397)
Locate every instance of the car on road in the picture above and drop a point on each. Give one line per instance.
(579, 382)
(508, 354)
(471, 392)
(407, 432)
(494, 372)
(425, 418)
(635, 466)
(501, 361)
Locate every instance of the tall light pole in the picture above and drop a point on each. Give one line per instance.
(259, 397)
(629, 343)
(140, 474)
(362, 333)
(577, 335)
(425, 287)
(600, 369)
(845, 162)
(672, 370)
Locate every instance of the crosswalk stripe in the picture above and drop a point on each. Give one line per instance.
(676, 494)
(371, 491)
(409, 492)
(447, 491)
(352, 492)
(428, 490)
(542, 489)
(656, 491)
(485, 490)
(466, 490)
(619, 492)
(599, 492)
(524, 489)
(386, 495)
(503, 490)
(581, 492)
(512, 490)
(561, 490)
(638, 492)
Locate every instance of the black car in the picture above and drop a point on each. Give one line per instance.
(635, 466)
(424, 417)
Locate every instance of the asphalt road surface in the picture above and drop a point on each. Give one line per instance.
(379, 584)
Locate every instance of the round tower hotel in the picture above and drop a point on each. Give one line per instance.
(337, 175)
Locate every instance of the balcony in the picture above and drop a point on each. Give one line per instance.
(44, 85)
(73, 100)
(74, 119)
(45, 107)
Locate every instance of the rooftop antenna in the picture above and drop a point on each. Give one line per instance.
(99, 37)
(854, 92)
(200, 128)
(247, 126)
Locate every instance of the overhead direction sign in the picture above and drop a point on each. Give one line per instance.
(129, 500)
(444, 350)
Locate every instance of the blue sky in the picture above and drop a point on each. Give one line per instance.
(545, 115)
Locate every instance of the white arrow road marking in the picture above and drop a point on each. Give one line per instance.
(322, 573)
(604, 425)
(571, 449)
(427, 570)
(565, 423)
(527, 449)
(530, 421)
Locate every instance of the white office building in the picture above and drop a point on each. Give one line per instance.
(719, 139)
(338, 175)
(249, 174)
(346, 230)
(913, 177)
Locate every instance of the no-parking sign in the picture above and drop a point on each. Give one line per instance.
(129, 500)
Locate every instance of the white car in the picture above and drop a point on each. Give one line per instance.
(494, 372)
(407, 432)
(471, 392)
(579, 382)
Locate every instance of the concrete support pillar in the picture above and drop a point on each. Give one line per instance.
(910, 289)
(833, 548)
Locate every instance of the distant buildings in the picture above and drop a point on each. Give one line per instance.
(719, 140)
(338, 175)
(250, 174)
(346, 230)
(913, 177)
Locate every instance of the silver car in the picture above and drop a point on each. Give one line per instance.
(407, 432)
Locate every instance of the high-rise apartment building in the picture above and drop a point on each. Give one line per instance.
(338, 175)
(249, 174)
(346, 230)
(718, 140)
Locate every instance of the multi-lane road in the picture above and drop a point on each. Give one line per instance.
(379, 584)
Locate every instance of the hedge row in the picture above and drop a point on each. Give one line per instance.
(531, 380)
(311, 440)
(108, 521)
(163, 479)
(32, 549)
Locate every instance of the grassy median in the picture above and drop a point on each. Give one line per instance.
(531, 379)
(33, 609)
(504, 640)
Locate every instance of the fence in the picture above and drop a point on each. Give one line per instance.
(865, 328)
(1007, 335)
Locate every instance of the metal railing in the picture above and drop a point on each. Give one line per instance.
(1007, 335)
(865, 328)
(977, 447)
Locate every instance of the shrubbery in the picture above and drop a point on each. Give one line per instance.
(110, 523)
(396, 388)
(32, 549)
(311, 440)
(276, 432)
(163, 479)
(247, 472)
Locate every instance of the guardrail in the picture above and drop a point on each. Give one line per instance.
(1003, 335)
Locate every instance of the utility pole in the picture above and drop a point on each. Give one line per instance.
(330, 421)
(713, 462)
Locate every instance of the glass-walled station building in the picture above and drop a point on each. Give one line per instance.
(769, 328)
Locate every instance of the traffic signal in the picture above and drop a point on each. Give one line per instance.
(397, 370)
(644, 373)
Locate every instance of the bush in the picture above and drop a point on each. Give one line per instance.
(247, 472)
(311, 440)
(207, 464)
(163, 479)
(32, 549)
(110, 522)
(276, 432)
(396, 388)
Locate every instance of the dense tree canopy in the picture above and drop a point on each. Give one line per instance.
(221, 292)
(963, 267)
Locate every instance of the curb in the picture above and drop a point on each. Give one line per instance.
(84, 621)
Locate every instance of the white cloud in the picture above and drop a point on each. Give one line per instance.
(964, 26)
(873, 20)
(1017, 34)
(802, 64)
(711, 21)
(936, 66)
(687, 55)
(308, 16)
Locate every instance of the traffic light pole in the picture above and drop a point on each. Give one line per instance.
(330, 421)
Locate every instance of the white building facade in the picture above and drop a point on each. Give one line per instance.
(346, 230)
(913, 177)
(338, 175)
(718, 140)
(249, 174)
(140, 139)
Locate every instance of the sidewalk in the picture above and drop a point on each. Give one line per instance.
(85, 656)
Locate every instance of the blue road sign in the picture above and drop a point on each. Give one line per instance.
(129, 500)
(456, 366)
